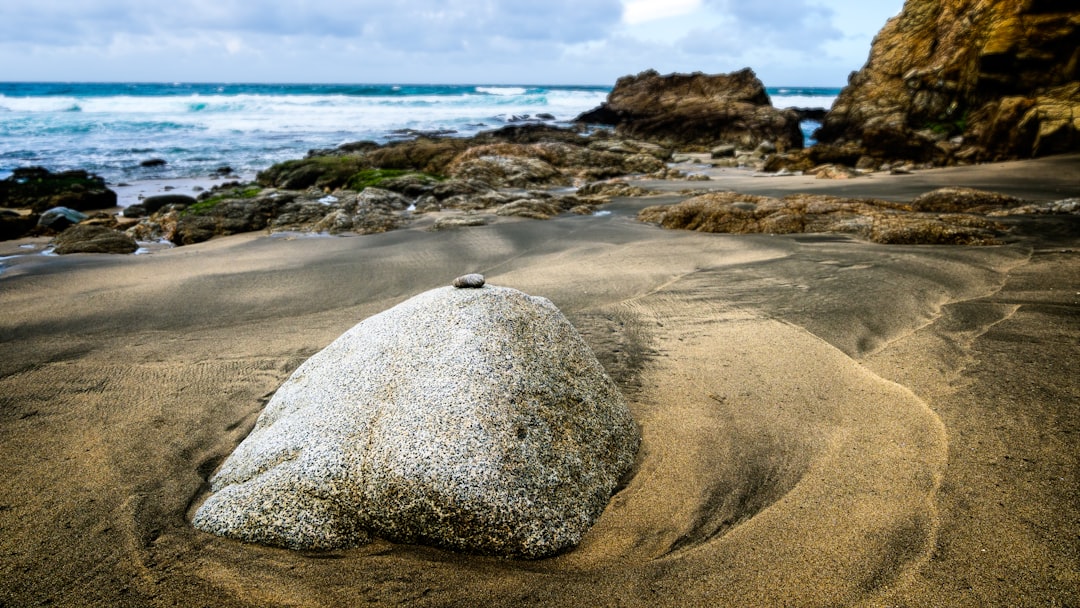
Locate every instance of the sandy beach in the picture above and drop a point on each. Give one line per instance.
(825, 421)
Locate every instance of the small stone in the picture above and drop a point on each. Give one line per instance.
(469, 281)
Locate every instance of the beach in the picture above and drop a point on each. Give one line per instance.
(825, 421)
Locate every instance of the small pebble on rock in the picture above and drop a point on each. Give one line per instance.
(469, 281)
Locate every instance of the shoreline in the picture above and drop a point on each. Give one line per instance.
(131, 192)
(825, 420)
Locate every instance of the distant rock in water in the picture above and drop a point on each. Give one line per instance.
(697, 111)
(471, 419)
(966, 80)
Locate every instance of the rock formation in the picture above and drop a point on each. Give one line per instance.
(954, 216)
(697, 111)
(474, 419)
(966, 80)
(39, 189)
(88, 238)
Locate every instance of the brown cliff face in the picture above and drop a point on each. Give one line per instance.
(697, 111)
(1002, 74)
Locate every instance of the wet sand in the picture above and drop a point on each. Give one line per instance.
(825, 421)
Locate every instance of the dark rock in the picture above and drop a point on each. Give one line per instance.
(724, 151)
(815, 114)
(39, 189)
(358, 146)
(158, 201)
(697, 111)
(153, 162)
(530, 134)
(93, 239)
(136, 210)
(14, 225)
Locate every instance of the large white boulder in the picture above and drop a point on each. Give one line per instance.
(474, 419)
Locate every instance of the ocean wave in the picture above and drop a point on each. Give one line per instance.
(198, 128)
(803, 101)
(501, 90)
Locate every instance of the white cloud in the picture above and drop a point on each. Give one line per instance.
(513, 41)
(643, 11)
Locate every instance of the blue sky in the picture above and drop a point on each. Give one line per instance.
(787, 42)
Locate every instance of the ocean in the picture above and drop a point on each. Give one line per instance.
(112, 128)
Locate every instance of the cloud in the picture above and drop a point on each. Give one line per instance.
(779, 25)
(553, 41)
(398, 24)
(644, 11)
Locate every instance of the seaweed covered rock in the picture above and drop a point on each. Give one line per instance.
(39, 189)
(966, 80)
(471, 419)
(697, 111)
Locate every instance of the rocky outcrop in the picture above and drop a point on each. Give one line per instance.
(966, 80)
(368, 188)
(39, 189)
(958, 216)
(14, 224)
(93, 239)
(474, 419)
(697, 111)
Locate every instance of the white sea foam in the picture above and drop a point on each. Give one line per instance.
(201, 127)
(803, 101)
(501, 90)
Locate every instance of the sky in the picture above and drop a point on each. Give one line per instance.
(787, 42)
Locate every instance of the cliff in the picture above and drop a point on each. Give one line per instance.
(966, 80)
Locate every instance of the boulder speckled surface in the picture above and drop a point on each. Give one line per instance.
(472, 419)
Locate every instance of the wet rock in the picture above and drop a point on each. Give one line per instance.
(870, 219)
(93, 239)
(613, 189)
(471, 419)
(153, 162)
(459, 221)
(964, 200)
(153, 203)
(529, 208)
